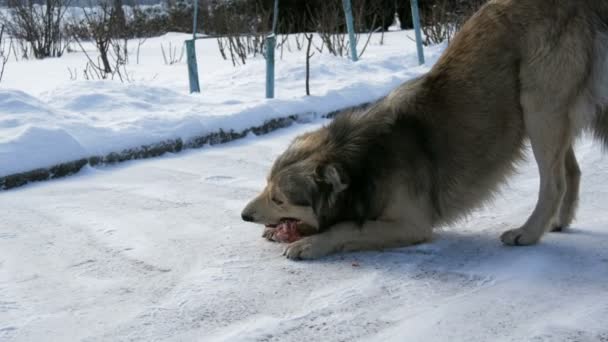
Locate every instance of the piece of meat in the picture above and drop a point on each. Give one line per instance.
(287, 231)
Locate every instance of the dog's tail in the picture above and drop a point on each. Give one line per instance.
(600, 127)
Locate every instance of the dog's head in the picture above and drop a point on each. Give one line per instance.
(301, 187)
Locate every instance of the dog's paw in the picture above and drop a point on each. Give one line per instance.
(269, 233)
(518, 237)
(311, 247)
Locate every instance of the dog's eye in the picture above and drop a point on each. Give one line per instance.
(277, 201)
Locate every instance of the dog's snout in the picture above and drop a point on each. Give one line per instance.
(249, 212)
(247, 217)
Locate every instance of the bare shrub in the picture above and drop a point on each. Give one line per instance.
(95, 26)
(73, 74)
(180, 14)
(173, 57)
(38, 25)
(241, 29)
(148, 21)
(98, 26)
(143, 23)
(444, 18)
(20, 48)
(329, 22)
(5, 51)
(439, 23)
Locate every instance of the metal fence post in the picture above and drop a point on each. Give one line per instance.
(191, 52)
(350, 25)
(271, 41)
(192, 67)
(416, 21)
(270, 45)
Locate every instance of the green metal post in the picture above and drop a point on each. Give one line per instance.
(192, 66)
(191, 52)
(416, 21)
(271, 41)
(350, 25)
(270, 46)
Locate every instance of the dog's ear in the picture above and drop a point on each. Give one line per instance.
(329, 183)
(330, 175)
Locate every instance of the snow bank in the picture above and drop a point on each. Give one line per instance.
(43, 124)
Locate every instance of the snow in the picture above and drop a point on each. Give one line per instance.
(46, 117)
(155, 250)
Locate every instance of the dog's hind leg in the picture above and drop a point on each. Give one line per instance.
(550, 137)
(567, 210)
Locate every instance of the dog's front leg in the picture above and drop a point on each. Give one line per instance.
(349, 236)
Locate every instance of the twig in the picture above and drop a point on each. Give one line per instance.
(308, 37)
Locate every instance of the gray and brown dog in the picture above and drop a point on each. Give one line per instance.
(439, 146)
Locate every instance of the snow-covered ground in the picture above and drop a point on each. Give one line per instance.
(47, 118)
(155, 251)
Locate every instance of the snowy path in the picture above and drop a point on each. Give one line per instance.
(155, 250)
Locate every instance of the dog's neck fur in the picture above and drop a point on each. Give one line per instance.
(362, 145)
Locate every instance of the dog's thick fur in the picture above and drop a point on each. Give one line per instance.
(439, 146)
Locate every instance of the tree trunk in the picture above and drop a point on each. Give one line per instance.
(119, 21)
(103, 52)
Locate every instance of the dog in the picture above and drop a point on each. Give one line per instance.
(439, 146)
